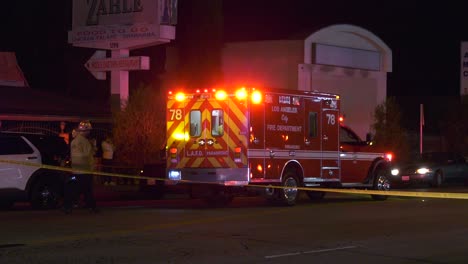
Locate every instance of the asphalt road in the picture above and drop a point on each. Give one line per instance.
(338, 229)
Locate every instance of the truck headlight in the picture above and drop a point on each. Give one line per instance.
(395, 172)
(423, 170)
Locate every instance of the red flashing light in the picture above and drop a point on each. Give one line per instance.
(389, 156)
(341, 119)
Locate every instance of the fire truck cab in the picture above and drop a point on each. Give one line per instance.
(279, 139)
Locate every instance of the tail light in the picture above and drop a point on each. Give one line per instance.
(389, 156)
(173, 155)
(237, 154)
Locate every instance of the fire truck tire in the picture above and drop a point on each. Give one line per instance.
(315, 195)
(381, 183)
(289, 193)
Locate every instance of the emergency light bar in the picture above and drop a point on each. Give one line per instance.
(256, 96)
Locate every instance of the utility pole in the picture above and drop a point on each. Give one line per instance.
(421, 124)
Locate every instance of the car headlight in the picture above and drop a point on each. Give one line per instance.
(395, 172)
(423, 170)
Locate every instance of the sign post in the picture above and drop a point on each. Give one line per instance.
(421, 124)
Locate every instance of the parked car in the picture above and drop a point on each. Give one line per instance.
(433, 168)
(23, 176)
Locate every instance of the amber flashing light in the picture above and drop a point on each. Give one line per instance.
(256, 97)
(221, 95)
(180, 97)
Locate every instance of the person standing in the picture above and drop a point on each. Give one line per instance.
(82, 163)
(107, 158)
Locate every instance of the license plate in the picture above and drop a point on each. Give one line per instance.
(405, 178)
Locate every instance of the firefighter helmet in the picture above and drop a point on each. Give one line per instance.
(85, 125)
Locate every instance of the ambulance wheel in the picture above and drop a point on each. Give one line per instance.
(289, 193)
(315, 195)
(381, 183)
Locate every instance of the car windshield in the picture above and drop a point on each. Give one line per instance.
(348, 136)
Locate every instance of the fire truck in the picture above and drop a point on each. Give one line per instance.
(281, 140)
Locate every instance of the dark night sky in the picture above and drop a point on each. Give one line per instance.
(424, 38)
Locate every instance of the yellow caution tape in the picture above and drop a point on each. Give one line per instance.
(443, 195)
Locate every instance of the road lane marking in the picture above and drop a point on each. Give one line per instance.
(309, 252)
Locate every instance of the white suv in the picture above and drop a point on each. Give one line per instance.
(21, 175)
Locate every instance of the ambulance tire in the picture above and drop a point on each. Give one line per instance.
(315, 195)
(381, 183)
(289, 196)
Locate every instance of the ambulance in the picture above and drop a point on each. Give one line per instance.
(281, 140)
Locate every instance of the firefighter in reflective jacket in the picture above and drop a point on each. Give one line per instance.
(82, 161)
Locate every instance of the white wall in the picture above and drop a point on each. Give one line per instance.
(354, 50)
(357, 90)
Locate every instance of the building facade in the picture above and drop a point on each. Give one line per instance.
(344, 59)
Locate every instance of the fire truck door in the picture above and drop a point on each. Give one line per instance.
(330, 140)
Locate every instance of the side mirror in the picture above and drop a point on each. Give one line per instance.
(368, 137)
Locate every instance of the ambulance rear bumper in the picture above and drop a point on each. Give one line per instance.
(222, 176)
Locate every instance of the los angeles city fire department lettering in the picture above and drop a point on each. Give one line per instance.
(284, 117)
